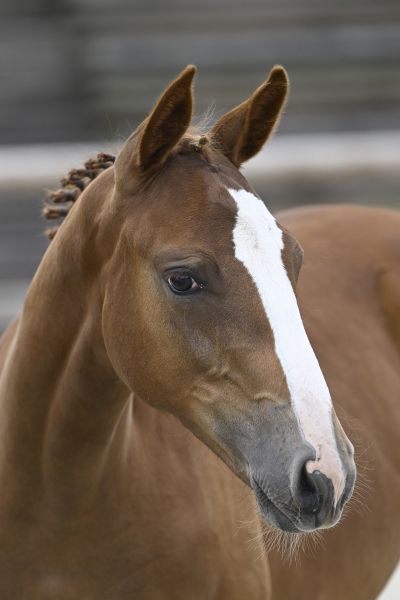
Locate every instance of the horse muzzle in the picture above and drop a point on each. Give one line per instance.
(304, 501)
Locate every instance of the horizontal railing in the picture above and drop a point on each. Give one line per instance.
(285, 155)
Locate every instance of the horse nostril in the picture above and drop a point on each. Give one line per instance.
(324, 490)
(306, 494)
(313, 493)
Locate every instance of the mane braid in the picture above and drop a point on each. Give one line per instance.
(59, 202)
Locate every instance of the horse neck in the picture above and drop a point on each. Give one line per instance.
(64, 412)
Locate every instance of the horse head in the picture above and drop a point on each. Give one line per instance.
(200, 317)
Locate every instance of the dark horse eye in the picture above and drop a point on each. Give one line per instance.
(182, 283)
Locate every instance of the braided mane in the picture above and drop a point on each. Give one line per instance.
(58, 203)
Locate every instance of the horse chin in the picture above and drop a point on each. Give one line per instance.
(273, 515)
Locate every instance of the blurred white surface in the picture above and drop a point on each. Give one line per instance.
(392, 590)
(286, 154)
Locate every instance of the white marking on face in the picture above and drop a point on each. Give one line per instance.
(258, 243)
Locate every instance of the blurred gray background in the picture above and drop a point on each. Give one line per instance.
(78, 75)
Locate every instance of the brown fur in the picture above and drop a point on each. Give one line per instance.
(106, 495)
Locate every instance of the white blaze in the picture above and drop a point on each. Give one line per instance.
(258, 243)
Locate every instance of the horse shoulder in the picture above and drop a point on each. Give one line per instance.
(389, 295)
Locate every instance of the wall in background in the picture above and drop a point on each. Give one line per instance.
(90, 69)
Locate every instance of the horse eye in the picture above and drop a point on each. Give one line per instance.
(182, 283)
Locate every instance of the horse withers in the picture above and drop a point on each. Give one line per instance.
(166, 303)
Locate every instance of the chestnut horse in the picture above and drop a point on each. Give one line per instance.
(166, 305)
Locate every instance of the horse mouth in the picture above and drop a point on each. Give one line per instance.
(273, 514)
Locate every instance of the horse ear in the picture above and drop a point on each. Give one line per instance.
(151, 142)
(168, 120)
(243, 131)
